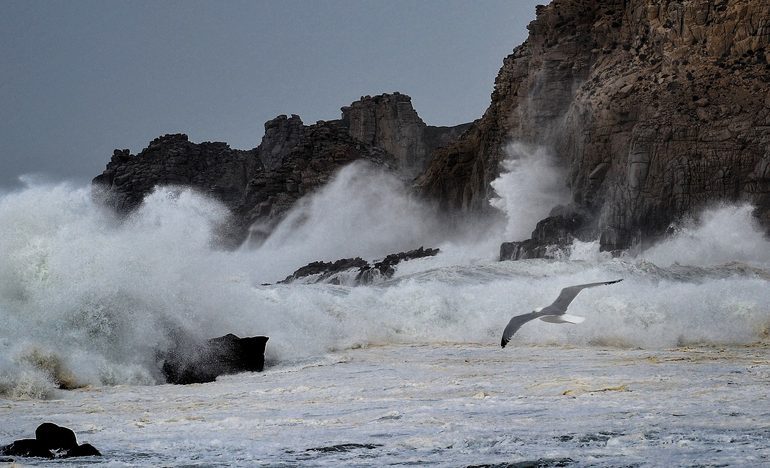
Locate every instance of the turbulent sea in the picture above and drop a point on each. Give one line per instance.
(670, 368)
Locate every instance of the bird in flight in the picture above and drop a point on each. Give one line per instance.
(554, 313)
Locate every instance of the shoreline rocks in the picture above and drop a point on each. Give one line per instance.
(190, 361)
(51, 441)
(360, 271)
(258, 186)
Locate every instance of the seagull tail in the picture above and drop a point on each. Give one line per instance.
(572, 318)
(563, 318)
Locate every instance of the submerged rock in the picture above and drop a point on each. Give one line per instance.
(51, 441)
(195, 362)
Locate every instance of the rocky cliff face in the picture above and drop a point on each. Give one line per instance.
(260, 185)
(658, 107)
(390, 122)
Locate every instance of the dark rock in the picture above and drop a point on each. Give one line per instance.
(56, 437)
(387, 266)
(84, 450)
(325, 270)
(190, 361)
(553, 235)
(260, 185)
(27, 448)
(365, 273)
(51, 441)
(341, 448)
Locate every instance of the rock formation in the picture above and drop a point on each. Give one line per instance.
(191, 361)
(658, 108)
(390, 122)
(357, 269)
(51, 441)
(259, 185)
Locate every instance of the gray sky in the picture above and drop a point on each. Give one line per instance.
(80, 78)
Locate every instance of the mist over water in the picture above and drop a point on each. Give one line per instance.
(530, 185)
(87, 299)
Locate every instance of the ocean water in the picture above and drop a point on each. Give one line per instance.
(671, 366)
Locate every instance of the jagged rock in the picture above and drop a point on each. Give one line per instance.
(553, 236)
(324, 270)
(211, 168)
(260, 185)
(191, 361)
(51, 441)
(361, 271)
(657, 108)
(390, 122)
(386, 267)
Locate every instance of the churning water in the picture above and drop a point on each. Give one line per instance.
(87, 300)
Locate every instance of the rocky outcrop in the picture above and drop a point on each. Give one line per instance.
(212, 168)
(390, 122)
(190, 361)
(657, 108)
(259, 185)
(51, 441)
(553, 236)
(355, 271)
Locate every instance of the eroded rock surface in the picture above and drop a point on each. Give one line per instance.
(259, 186)
(357, 270)
(658, 108)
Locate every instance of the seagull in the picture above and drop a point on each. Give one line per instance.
(554, 313)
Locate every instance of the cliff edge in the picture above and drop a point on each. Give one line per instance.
(657, 107)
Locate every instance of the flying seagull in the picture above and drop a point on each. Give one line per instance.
(554, 313)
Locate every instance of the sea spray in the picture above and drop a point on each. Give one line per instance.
(97, 297)
(718, 235)
(530, 185)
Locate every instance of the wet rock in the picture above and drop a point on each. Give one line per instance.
(191, 361)
(656, 109)
(27, 448)
(359, 270)
(51, 441)
(553, 236)
(258, 186)
(342, 448)
(56, 437)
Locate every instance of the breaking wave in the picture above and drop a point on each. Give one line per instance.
(86, 299)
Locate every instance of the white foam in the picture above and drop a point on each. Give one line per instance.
(719, 235)
(530, 185)
(98, 296)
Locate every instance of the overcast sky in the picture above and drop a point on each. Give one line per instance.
(80, 78)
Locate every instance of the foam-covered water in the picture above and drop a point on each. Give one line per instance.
(87, 300)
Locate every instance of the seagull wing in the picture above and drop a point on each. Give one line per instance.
(570, 292)
(515, 324)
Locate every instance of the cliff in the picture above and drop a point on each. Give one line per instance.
(657, 107)
(260, 185)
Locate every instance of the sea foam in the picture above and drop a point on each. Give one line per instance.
(89, 299)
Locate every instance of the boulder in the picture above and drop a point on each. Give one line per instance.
(51, 441)
(56, 437)
(190, 361)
